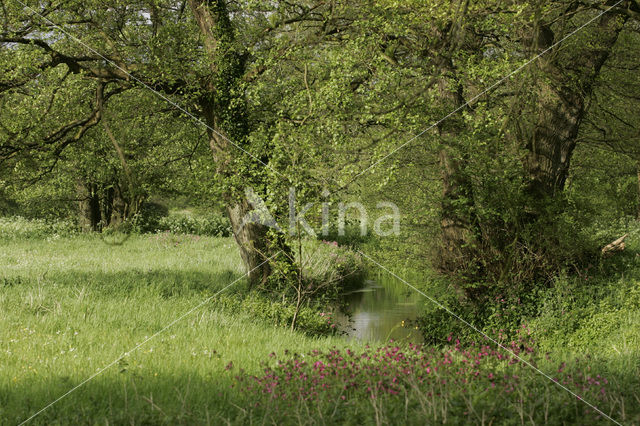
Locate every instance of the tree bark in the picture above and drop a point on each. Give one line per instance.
(89, 206)
(638, 174)
(118, 207)
(252, 241)
(457, 223)
(224, 109)
(562, 106)
(456, 218)
(107, 205)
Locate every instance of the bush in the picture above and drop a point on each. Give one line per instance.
(565, 301)
(585, 307)
(212, 225)
(17, 227)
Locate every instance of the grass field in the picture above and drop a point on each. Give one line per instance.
(70, 306)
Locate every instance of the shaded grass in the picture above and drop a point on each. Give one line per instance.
(71, 306)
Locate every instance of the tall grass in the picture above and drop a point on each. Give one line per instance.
(71, 306)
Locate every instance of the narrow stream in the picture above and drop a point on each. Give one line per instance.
(376, 312)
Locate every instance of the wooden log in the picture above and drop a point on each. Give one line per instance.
(614, 247)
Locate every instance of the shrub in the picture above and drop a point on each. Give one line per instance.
(17, 227)
(212, 225)
(564, 303)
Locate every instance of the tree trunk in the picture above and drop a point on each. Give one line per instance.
(456, 218)
(457, 253)
(252, 241)
(94, 208)
(224, 109)
(551, 146)
(118, 207)
(562, 105)
(107, 205)
(638, 174)
(89, 206)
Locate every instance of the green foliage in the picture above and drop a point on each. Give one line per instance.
(309, 96)
(8, 206)
(604, 230)
(214, 225)
(588, 307)
(18, 228)
(327, 262)
(593, 311)
(276, 313)
(351, 235)
(439, 328)
(327, 271)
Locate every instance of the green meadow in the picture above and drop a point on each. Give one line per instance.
(71, 306)
(106, 330)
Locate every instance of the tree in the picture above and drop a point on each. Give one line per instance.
(197, 57)
(505, 154)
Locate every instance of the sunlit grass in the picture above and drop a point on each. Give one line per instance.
(72, 306)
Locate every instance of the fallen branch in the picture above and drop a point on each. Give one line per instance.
(614, 247)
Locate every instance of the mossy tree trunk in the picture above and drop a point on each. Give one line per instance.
(563, 95)
(224, 110)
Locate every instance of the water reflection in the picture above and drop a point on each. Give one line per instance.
(383, 309)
